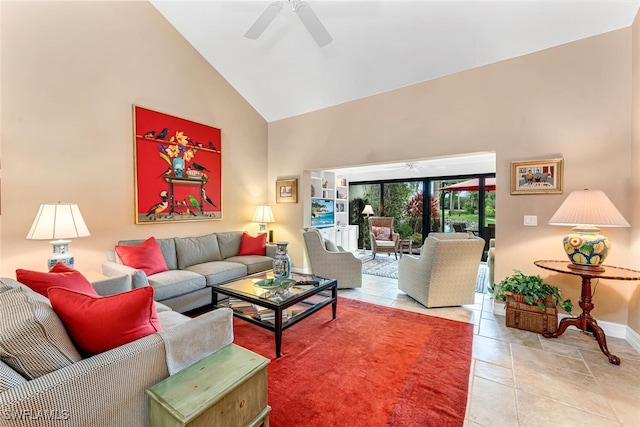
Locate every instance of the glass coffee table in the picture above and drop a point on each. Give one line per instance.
(277, 305)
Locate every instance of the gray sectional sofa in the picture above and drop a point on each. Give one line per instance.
(103, 390)
(195, 264)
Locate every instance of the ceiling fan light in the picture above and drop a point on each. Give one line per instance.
(264, 20)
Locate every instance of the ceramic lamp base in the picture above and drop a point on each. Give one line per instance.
(586, 249)
(60, 253)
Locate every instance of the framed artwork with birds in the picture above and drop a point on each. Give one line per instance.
(178, 169)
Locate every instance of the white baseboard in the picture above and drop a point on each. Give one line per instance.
(499, 308)
(633, 338)
(615, 330)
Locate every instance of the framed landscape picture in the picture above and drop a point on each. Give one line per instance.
(178, 175)
(536, 176)
(287, 191)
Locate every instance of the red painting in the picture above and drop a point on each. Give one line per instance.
(178, 169)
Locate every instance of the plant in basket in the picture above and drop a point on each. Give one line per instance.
(531, 303)
(533, 289)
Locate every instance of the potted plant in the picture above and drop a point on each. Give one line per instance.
(530, 302)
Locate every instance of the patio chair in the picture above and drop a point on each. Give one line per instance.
(459, 227)
(446, 272)
(383, 237)
(335, 263)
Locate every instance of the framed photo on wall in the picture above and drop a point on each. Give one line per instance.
(178, 175)
(287, 191)
(536, 176)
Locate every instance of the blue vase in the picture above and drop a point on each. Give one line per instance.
(178, 167)
(281, 261)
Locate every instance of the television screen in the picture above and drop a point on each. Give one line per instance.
(321, 213)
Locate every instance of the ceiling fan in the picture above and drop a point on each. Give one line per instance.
(304, 12)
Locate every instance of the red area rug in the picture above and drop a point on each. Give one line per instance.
(372, 366)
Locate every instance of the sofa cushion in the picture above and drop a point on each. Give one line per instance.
(196, 250)
(97, 324)
(173, 283)
(381, 233)
(219, 271)
(254, 263)
(9, 378)
(146, 256)
(59, 275)
(167, 247)
(168, 319)
(33, 340)
(330, 246)
(229, 243)
(253, 245)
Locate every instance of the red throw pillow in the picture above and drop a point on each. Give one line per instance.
(253, 245)
(147, 256)
(96, 324)
(60, 275)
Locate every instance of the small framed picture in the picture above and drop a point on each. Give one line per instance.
(536, 176)
(287, 191)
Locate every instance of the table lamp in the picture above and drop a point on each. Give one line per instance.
(586, 210)
(263, 216)
(58, 221)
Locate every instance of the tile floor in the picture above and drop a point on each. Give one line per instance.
(519, 378)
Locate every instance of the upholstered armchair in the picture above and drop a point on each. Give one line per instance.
(334, 263)
(383, 238)
(446, 272)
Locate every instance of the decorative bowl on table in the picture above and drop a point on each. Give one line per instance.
(274, 283)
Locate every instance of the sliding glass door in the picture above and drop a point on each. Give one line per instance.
(425, 205)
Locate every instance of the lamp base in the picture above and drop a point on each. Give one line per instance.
(592, 268)
(586, 249)
(60, 253)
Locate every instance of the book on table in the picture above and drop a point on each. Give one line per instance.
(264, 313)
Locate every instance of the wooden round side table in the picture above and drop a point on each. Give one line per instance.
(585, 322)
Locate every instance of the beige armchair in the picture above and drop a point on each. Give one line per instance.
(383, 238)
(336, 264)
(446, 272)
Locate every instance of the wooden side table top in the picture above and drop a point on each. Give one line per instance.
(190, 391)
(610, 272)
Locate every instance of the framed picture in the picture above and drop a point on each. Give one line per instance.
(287, 191)
(178, 175)
(536, 176)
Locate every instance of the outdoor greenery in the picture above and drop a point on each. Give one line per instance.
(533, 288)
(404, 202)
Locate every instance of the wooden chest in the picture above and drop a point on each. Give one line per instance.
(227, 388)
(532, 318)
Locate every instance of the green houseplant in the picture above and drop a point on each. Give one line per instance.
(533, 289)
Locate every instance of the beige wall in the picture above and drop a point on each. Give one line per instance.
(572, 101)
(71, 71)
(70, 74)
(634, 302)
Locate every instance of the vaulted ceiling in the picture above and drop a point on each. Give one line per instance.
(377, 46)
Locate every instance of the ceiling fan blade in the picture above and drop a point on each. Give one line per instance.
(264, 20)
(313, 24)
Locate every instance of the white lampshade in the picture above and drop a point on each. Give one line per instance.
(263, 215)
(588, 207)
(586, 210)
(58, 221)
(368, 210)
